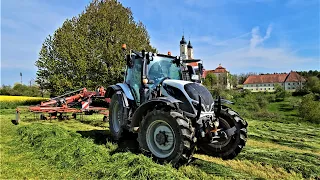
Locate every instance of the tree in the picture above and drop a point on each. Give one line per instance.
(280, 92)
(309, 109)
(313, 84)
(233, 80)
(86, 50)
(210, 81)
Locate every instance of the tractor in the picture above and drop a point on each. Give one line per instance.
(163, 101)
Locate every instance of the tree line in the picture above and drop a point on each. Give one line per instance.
(86, 50)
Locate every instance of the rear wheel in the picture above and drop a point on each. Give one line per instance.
(116, 117)
(228, 148)
(167, 136)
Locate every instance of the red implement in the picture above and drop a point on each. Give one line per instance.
(68, 103)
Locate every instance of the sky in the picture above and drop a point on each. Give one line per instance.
(262, 36)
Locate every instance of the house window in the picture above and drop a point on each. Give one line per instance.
(288, 87)
(265, 85)
(257, 89)
(293, 83)
(269, 88)
(288, 83)
(260, 88)
(293, 87)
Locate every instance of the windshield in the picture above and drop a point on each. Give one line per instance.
(162, 67)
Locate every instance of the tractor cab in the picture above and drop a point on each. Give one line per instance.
(145, 71)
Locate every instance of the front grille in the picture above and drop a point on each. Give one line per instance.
(195, 89)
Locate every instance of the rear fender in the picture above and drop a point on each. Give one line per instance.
(111, 90)
(119, 87)
(149, 105)
(126, 90)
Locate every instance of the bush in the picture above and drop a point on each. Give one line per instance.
(309, 109)
(21, 90)
(280, 93)
(262, 101)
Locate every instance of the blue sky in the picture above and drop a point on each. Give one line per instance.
(242, 35)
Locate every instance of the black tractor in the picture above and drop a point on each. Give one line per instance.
(163, 101)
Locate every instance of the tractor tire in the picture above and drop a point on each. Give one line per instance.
(231, 147)
(166, 136)
(116, 118)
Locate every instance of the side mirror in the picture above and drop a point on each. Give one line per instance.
(200, 67)
(129, 61)
(195, 77)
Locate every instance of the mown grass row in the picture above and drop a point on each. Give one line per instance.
(277, 148)
(68, 151)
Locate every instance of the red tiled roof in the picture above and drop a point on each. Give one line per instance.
(294, 77)
(205, 72)
(220, 69)
(268, 78)
(274, 78)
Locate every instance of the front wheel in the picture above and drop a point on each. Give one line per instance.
(167, 136)
(228, 148)
(116, 117)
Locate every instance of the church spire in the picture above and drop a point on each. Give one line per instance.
(189, 45)
(183, 41)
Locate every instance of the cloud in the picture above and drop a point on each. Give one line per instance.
(256, 38)
(251, 55)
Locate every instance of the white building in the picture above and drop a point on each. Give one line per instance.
(186, 51)
(289, 82)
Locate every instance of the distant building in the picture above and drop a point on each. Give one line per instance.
(289, 82)
(222, 76)
(186, 51)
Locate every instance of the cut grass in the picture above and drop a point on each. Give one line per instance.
(277, 148)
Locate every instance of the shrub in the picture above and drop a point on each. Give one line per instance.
(262, 101)
(309, 109)
(279, 92)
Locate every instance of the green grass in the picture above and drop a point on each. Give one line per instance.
(282, 147)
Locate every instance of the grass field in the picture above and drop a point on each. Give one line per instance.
(279, 147)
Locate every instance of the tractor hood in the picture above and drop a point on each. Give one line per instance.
(188, 92)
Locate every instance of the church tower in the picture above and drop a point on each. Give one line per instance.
(183, 48)
(190, 50)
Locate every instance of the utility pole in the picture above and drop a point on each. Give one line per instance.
(21, 77)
